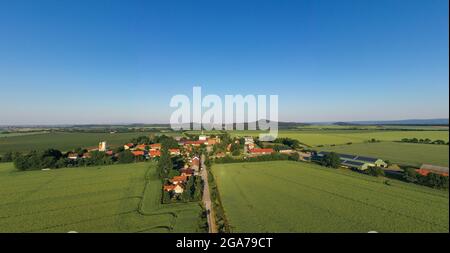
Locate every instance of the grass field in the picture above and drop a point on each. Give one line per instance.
(316, 137)
(63, 141)
(300, 197)
(403, 153)
(116, 198)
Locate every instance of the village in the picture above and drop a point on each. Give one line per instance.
(188, 152)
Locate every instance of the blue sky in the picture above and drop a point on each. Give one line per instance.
(104, 61)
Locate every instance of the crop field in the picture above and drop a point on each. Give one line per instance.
(63, 141)
(317, 137)
(116, 198)
(403, 153)
(288, 196)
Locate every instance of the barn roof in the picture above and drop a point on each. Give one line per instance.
(436, 168)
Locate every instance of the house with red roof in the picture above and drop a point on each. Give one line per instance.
(187, 172)
(141, 146)
(156, 146)
(426, 169)
(175, 188)
(154, 153)
(128, 146)
(179, 179)
(174, 151)
(195, 163)
(194, 143)
(261, 151)
(138, 153)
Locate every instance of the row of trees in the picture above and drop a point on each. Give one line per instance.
(53, 158)
(424, 141)
(167, 140)
(9, 157)
(288, 142)
(431, 180)
(261, 158)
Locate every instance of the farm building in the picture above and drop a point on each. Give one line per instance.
(425, 169)
(305, 156)
(261, 151)
(72, 156)
(357, 162)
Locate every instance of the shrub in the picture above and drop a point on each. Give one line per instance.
(331, 160)
(375, 171)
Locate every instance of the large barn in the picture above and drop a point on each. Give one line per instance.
(357, 162)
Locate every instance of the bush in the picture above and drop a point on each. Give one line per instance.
(125, 157)
(331, 160)
(410, 175)
(375, 171)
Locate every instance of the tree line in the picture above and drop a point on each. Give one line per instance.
(424, 141)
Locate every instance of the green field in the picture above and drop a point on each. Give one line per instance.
(116, 198)
(315, 137)
(301, 197)
(63, 141)
(403, 153)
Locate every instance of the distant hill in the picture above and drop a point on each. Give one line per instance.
(397, 122)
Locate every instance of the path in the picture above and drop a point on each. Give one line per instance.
(212, 228)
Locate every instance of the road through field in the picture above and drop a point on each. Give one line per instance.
(212, 228)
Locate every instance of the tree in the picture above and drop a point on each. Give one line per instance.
(410, 175)
(235, 149)
(7, 157)
(166, 197)
(165, 163)
(331, 160)
(375, 171)
(125, 157)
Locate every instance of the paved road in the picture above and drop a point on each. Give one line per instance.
(212, 228)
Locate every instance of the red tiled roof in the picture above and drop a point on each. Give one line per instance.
(194, 142)
(179, 178)
(138, 153)
(169, 188)
(187, 171)
(261, 150)
(142, 146)
(155, 153)
(425, 172)
(156, 145)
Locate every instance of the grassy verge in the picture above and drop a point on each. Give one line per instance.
(221, 220)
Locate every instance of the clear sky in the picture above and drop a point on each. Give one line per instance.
(104, 61)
